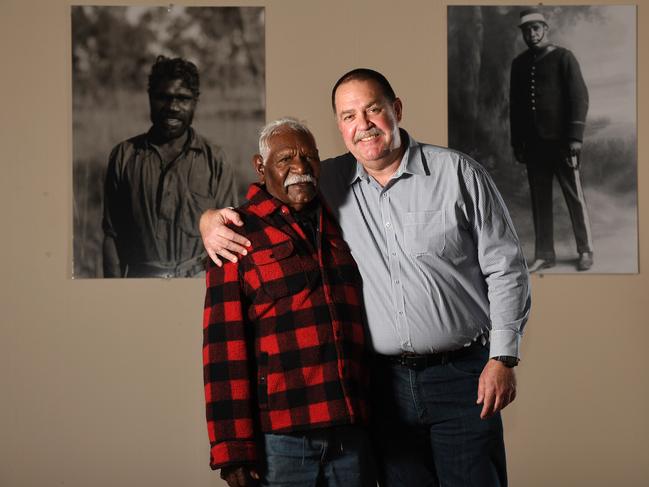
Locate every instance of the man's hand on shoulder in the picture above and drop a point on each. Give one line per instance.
(218, 239)
(240, 476)
(496, 388)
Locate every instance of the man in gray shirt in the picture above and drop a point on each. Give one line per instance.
(445, 289)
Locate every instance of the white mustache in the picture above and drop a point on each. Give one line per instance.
(300, 178)
(367, 133)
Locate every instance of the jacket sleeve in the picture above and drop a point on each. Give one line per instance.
(577, 97)
(226, 370)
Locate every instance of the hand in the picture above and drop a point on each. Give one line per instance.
(496, 388)
(574, 150)
(240, 476)
(218, 239)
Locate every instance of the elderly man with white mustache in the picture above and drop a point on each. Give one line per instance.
(445, 288)
(285, 362)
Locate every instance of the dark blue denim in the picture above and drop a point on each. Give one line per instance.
(427, 427)
(329, 457)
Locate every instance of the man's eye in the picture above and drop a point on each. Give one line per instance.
(348, 118)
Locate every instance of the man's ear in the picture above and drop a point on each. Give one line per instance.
(258, 165)
(398, 108)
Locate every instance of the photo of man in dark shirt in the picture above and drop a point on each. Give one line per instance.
(158, 184)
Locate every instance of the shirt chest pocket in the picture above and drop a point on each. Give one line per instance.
(424, 232)
(280, 270)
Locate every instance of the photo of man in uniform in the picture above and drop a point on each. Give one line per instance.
(548, 107)
(545, 98)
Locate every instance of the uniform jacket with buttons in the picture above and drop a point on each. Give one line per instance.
(283, 343)
(548, 97)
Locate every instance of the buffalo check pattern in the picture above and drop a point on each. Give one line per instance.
(283, 336)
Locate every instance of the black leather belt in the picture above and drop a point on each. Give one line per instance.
(415, 361)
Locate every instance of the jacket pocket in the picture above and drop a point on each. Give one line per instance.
(280, 270)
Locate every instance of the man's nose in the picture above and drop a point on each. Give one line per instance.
(300, 165)
(173, 104)
(365, 122)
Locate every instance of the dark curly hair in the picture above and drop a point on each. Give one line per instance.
(166, 69)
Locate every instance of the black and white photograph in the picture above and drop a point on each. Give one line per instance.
(167, 104)
(545, 98)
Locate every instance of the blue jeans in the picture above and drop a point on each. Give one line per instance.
(427, 426)
(332, 457)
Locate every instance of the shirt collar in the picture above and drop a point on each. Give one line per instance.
(412, 161)
(193, 143)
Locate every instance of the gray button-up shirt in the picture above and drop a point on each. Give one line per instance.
(440, 260)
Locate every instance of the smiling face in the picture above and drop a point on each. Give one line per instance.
(535, 34)
(172, 106)
(368, 122)
(291, 169)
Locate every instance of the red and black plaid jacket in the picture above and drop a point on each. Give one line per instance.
(283, 336)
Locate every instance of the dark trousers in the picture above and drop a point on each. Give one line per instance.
(330, 457)
(427, 427)
(546, 160)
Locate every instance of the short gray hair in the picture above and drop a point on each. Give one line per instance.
(277, 126)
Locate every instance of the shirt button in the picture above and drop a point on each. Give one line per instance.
(400, 313)
(396, 281)
(393, 254)
(388, 224)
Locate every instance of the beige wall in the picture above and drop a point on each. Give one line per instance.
(100, 381)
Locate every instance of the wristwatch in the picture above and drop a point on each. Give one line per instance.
(507, 360)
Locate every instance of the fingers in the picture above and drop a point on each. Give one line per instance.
(488, 405)
(240, 477)
(226, 238)
(214, 257)
(220, 241)
(231, 216)
(226, 254)
(496, 388)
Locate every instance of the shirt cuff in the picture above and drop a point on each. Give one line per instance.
(233, 452)
(504, 342)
